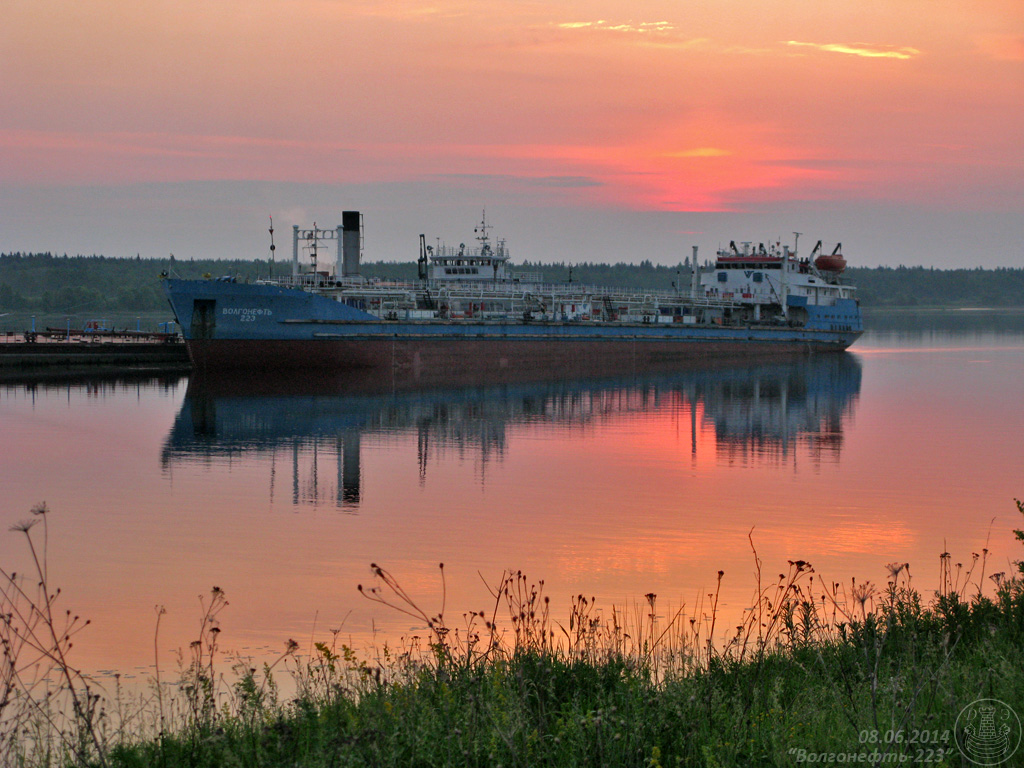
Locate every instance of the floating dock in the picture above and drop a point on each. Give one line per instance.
(55, 354)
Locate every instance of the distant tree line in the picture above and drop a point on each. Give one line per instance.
(45, 282)
(929, 287)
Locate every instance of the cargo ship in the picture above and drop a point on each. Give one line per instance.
(469, 310)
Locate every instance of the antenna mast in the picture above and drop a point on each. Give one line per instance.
(272, 246)
(482, 228)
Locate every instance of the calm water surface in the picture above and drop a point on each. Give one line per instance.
(282, 493)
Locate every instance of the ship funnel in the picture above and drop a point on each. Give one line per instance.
(694, 274)
(352, 242)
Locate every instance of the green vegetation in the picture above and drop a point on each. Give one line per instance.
(813, 669)
(46, 283)
(917, 286)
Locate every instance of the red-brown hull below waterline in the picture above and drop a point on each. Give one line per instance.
(433, 360)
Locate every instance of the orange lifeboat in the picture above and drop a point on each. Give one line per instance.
(830, 262)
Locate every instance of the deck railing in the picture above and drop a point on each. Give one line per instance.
(516, 289)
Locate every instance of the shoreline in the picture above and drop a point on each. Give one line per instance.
(876, 674)
(940, 309)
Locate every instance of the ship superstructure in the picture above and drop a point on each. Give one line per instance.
(773, 281)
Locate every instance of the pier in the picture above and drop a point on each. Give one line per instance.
(60, 353)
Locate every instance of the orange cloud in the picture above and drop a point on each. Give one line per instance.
(643, 28)
(861, 49)
(644, 33)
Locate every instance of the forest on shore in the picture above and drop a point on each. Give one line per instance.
(51, 283)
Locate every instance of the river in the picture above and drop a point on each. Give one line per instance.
(283, 493)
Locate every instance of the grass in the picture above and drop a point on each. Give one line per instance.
(815, 672)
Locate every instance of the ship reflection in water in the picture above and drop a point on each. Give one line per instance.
(312, 430)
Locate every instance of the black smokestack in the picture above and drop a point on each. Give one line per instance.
(352, 246)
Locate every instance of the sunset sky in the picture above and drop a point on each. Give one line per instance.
(591, 131)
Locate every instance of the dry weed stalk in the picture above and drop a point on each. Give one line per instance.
(36, 678)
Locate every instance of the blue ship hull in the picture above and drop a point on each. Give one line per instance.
(254, 326)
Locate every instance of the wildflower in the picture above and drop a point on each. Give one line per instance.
(862, 593)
